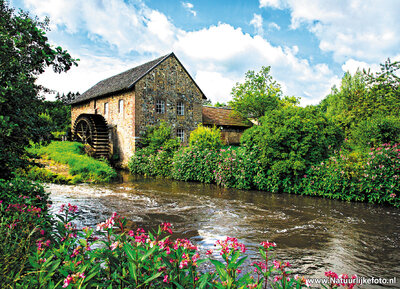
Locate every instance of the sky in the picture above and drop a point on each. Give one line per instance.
(309, 44)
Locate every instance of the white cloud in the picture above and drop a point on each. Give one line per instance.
(257, 22)
(273, 26)
(189, 7)
(349, 29)
(271, 3)
(217, 56)
(352, 66)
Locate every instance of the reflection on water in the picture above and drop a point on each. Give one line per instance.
(314, 234)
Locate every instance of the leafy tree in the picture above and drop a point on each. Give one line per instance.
(257, 95)
(385, 88)
(289, 141)
(159, 137)
(349, 103)
(364, 95)
(24, 55)
(376, 131)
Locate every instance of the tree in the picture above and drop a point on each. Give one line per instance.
(289, 140)
(258, 95)
(25, 53)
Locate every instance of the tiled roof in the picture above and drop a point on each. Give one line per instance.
(123, 81)
(222, 116)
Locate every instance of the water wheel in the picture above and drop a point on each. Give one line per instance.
(91, 129)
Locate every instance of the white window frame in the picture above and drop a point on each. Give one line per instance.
(121, 106)
(180, 108)
(180, 133)
(106, 109)
(160, 106)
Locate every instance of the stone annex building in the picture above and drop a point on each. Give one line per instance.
(113, 114)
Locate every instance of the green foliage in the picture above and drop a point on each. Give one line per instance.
(364, 95)
(375, 131)
(155, 156)
(24, 55)
(205, 138)
(159, 136)
(353, 176)
(82, 166)
(23, 214)
(258, 95)
(290, 140)
(193, 164)
(350, 103)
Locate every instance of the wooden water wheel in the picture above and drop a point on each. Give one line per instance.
(91, 129)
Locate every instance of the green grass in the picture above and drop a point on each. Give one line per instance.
(80, 165)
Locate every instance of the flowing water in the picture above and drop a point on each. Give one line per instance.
(314, 234)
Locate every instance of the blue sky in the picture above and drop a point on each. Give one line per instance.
(309, 44)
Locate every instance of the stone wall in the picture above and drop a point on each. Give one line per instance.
(121, 123)
(168, 82)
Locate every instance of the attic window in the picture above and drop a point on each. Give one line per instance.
(160, 106)
(121, 106)
(106, 109)
(180, 133)
(180, 108)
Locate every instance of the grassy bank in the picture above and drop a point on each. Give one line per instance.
(82, 168)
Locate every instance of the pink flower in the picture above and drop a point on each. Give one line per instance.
(67, 281)
(393, 195)
(165, 280)
(183, 264)
(42, 232)
(72, 208)
(268, 245)
(82, 275)
(209, 252)
(166, 227)
(114, 245)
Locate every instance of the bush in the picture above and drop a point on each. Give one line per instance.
(155, 156)
(376, 131)
(193, 164)
(205, 138)
(23, 219)
(81, 165)
(356, 177)
(289, 141)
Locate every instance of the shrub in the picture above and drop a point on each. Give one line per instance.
(376, 131)
(289, 141)
(205, 138)
(81, 165)
(236, 168)
(155, 156)
(193, 164)
(23, 219)
(159, 136)
(353, 176)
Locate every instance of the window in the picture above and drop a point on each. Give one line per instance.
(121, 106)
(180, 108)
(180, 133)
(106, 109)
(160, 106)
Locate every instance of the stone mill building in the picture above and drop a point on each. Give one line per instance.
(114, 114)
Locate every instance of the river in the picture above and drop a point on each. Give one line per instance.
(314, 234)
